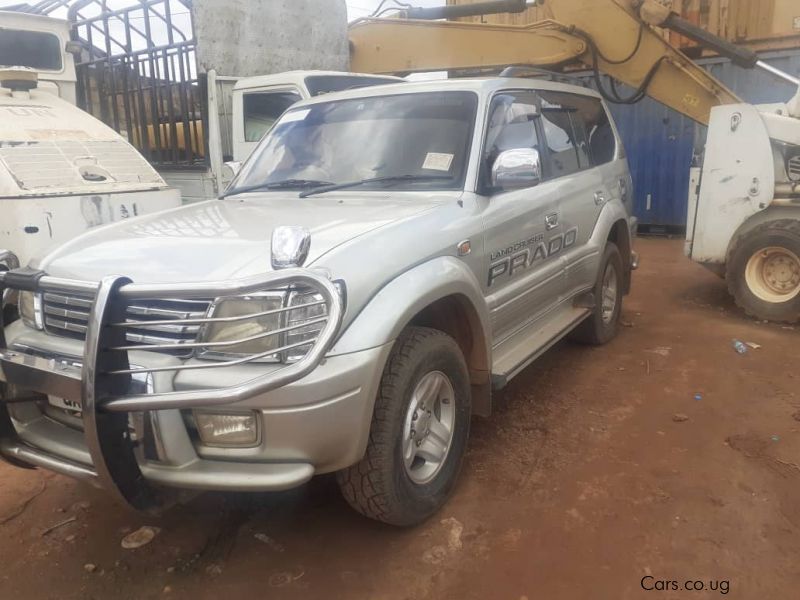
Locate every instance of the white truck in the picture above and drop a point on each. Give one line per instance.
(254, 104)
(62, 171)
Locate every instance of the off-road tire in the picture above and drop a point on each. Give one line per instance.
(784, 233)
(594, 330)
(378, 486)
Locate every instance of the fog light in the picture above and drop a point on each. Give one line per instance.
(227, 429)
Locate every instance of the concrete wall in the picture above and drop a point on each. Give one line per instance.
(257, 37)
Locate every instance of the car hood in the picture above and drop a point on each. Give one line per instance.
(224, 239)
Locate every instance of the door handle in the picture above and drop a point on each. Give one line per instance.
(599, 198)
(551, 221)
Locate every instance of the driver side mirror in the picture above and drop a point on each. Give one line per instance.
(517, 169)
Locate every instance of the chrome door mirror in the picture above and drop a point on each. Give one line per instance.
(517, 169)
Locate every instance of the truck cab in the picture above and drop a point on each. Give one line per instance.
(39, 43)
(259, 101)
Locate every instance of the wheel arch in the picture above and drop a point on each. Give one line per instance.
(456, 316)
(441, 294)
(773, 213)
(620, 235)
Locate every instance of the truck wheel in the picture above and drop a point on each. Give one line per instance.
(419, 432)
(603, 324)
(764, 272)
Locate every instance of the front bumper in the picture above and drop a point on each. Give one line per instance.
(315, 425)
(134, 438)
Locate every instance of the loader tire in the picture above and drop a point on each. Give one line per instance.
(763, 271)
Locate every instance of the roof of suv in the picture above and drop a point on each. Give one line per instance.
(483, 86)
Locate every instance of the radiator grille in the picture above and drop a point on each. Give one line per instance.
(68, 316)
(37, 165)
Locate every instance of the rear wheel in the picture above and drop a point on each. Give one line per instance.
(419, 432)
(602, 325)
(764, 272)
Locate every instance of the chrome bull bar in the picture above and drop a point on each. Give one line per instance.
(103, 382)
(8, 262)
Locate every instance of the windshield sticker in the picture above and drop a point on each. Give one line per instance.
(295, 115)
(438, 161)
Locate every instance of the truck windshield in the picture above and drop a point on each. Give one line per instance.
(325, 84)
(34, 49)
(399, 141)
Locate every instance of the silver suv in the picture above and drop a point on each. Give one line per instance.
(385, 260)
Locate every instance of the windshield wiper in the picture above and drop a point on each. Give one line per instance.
(278, 185)
(389, 179)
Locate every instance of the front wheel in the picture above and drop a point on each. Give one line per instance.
(764, 272)
(419, 432)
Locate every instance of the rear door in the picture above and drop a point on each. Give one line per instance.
(580, 145)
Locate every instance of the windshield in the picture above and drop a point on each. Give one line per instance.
(325, 84)
(34, 49)
(401, 140)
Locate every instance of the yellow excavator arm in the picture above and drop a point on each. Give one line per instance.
(614, 37)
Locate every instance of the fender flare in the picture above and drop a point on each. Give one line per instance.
(771, 213)
(393, 307)
(611, 214)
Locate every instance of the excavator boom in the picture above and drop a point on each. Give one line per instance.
(614, 37)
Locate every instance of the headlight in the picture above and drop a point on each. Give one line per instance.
(256, 324)
(30, 309)
(313, 307)
(252, 334)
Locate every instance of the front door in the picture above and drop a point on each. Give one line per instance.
(524, 273)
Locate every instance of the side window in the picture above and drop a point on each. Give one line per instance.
(602, 142)
(512, 125)
(567, 145)
(262, 109)
(583, 121)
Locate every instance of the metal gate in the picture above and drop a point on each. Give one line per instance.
(137, 71)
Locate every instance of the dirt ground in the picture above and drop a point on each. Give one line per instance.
(662, 457)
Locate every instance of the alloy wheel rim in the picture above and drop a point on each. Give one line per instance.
(428, 427)
(609, 293)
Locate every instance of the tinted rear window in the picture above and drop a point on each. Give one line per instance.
(589, 128)
(33, 49)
